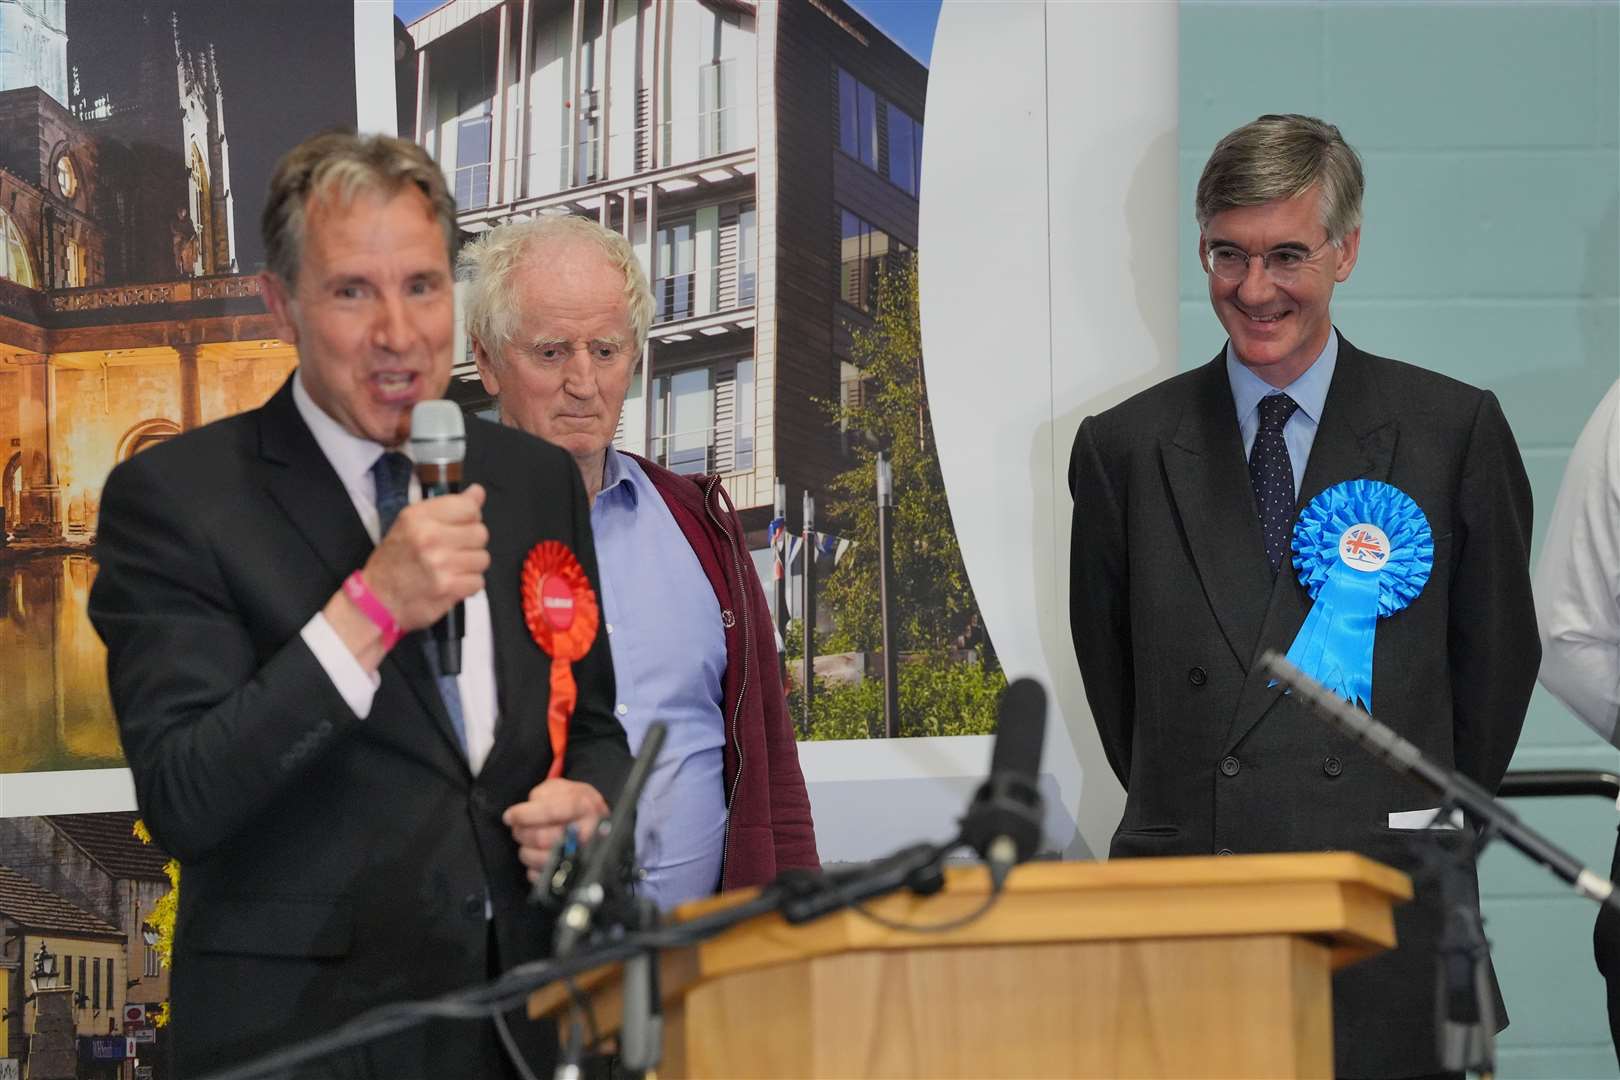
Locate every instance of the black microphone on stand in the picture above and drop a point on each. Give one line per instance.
(1003, 823)
(605, 850)
(438, 446)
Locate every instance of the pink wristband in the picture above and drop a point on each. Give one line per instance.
(356, 589)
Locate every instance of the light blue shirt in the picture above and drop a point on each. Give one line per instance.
(1309, 392)
(669, 660)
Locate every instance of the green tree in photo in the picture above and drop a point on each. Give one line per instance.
(936, 615)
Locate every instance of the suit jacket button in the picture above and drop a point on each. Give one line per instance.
(472, 905)
(1230, 766)
(1332, 766)
(1224, 851)
(1198, 676)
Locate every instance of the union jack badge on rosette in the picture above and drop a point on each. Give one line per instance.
(561, 612)
(1363, 550)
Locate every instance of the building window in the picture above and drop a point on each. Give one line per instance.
(865, 253)
(857, 119)
(743, 424)
(14, 261)
(74, 272)
(108, 1000)
(675, 283)
(95, 983)
(703, 418)
(713, 97)
(473, 154)
(905, 151)
(82, 983)
(67, 177)
(683, 421)
(747, 256)
(896, 152)
(154, 963)
(67, 971)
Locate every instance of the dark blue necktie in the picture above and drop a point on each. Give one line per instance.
(391, 478)
(1272, 474)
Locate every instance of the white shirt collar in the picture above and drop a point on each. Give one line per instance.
(350, 456)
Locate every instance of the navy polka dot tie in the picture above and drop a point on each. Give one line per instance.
(1272, 475)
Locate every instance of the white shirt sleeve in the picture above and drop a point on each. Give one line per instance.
(357, 685)
(1578, 578)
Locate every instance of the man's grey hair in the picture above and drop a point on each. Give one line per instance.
(489, 266)
(340, 166)
(1279, 157)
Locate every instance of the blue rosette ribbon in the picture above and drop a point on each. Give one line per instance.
(1363, 550)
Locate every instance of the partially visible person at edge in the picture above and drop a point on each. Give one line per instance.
(558, 309)
(1578, 612)
(264, 582)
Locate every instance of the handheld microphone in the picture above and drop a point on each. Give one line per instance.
(1003, 823)
(604, 851)
(438, 446)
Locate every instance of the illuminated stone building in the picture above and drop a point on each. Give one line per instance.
(123, 320)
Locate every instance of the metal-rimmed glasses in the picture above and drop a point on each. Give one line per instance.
(1281, 264)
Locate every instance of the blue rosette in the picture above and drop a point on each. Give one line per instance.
(1364, 551)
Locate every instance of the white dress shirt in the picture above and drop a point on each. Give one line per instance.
(1578, 577)
(352, 457)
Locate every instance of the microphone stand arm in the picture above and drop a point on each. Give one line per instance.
(1457, 790)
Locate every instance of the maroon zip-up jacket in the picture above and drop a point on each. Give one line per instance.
(768, 826)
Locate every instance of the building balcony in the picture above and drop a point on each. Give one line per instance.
(701, 178)
(692, 295)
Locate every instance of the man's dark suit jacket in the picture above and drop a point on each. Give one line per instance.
(1172, 602)
(329, 863)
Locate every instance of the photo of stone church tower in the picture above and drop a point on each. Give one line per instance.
(129, 312)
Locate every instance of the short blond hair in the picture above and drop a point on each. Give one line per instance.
(1279, 157)
(489, 267)
(340, 165)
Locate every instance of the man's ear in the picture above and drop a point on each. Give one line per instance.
(486, 369)
(278, 299)
(1349, 249)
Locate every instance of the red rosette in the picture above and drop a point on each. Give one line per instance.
(561, 612)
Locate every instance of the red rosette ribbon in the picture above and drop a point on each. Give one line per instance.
(560, 609)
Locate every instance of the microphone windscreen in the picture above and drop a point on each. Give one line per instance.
(438, 432)
(1020, 729)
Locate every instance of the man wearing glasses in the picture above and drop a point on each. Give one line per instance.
(1186, 501)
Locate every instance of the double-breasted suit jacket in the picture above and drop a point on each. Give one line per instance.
(1172, 602)
(329, 862)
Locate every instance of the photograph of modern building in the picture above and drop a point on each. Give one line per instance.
(761, 158)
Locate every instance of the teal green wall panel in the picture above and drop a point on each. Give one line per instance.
(1427, 76)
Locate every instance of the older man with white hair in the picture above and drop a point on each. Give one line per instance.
(558, 309)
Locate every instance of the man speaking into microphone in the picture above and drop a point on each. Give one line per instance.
(332, 787)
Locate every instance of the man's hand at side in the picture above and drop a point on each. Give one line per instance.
(432, 558)
(537, 824)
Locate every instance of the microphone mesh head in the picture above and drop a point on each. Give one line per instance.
(1020, 729)
(438, 432)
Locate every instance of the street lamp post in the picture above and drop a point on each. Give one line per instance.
(779, 542)
(44, 973)
(891, 640)
(51, 1047)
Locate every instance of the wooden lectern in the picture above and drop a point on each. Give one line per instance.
(1176, 967)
